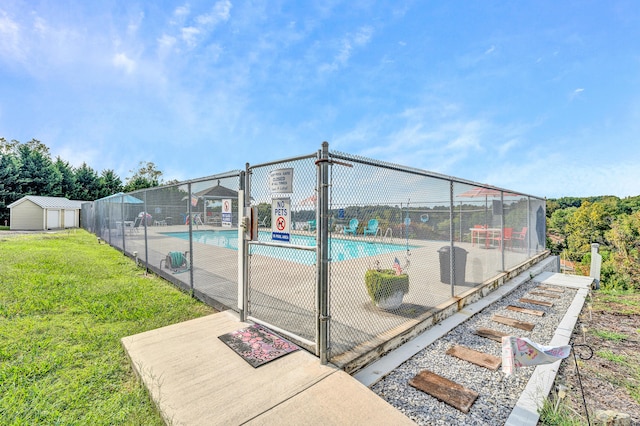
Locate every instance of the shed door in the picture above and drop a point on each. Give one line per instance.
(53, 219)
(70, 219)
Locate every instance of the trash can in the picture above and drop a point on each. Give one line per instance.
(459, 263)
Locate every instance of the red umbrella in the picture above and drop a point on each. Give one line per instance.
(480, 191)
(485, 192)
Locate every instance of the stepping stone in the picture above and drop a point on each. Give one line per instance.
(536, 302)
(549, 288)
(542, 293)
(513, 322)
(444, 390)
(525, 310)
(481, 359)
(491, 334)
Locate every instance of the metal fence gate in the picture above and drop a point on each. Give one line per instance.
(281, 261)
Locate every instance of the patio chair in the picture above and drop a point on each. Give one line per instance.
(136, 225)
(352, 228)
(177, 261)
(507, 236)
(371, 228)
(520, 236)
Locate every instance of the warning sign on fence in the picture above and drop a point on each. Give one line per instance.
(226, 212)
(280, 219)
(281, 181)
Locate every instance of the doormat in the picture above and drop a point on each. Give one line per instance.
(257, 344)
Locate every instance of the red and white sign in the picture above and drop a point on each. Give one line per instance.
(280, 219)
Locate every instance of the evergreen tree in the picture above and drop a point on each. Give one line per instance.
(37, 174)
(67, 187)
(9, 188)
(110, 183)
(87, 184)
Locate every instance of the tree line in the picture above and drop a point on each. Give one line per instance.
(28, 169)
(614, 223)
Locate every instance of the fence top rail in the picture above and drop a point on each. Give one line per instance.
(284, 160)
(225, 175)
(407, 169)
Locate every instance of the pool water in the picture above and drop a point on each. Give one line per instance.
(340, 250)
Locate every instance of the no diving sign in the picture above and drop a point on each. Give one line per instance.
(280, 219)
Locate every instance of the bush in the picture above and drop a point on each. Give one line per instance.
(384, 282)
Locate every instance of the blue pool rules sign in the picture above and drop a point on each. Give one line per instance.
(280, 219)
(226, 213)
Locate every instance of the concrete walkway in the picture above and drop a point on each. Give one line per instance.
(195, 379)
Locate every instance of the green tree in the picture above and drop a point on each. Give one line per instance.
(630, 205)
(37, 175)
(587, 225)
(110, 183)
(147, 176)
(67, 187)
(559, 221)
(9, 188)
(87, 184)
(624, 237)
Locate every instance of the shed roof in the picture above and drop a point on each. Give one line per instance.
(49, 202)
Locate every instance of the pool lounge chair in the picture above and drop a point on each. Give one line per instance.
(177, 261)
(371, 228)
(352, 228)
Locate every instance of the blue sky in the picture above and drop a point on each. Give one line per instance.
(541, 97)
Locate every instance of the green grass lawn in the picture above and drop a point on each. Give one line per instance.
(65, 303)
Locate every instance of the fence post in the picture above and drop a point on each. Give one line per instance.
(596, 262)
(122, 222)
(452, 266)
(146, 240)
(244, 195)
(502, 229)
(190, 239)
(323, 254)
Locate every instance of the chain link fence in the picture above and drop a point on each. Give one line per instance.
(178, 232)
(283, 273)
(395, 245)
(412, 240)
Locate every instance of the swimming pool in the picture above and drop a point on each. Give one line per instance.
(340, 250)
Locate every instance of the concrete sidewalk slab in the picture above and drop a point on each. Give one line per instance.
(195, 379)
(564, 280)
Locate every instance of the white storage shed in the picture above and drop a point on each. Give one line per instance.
(35, 213)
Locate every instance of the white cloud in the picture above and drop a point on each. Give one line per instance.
(576, 93)
(181, 11)
(490, 50)
(166, 42)
(10, 43)
(133, 26)
(221, 12)
(189, 36)
(120, 60)
(507, 146)
(358, 39)
(363, 36)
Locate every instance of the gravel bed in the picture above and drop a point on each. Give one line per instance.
(498, 394)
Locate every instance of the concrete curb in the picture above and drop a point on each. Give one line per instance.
(525, 412)
(541, 381)
(371, 374)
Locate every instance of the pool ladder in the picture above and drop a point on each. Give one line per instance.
(388, 235)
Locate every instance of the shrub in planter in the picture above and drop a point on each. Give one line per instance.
(383, 284)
